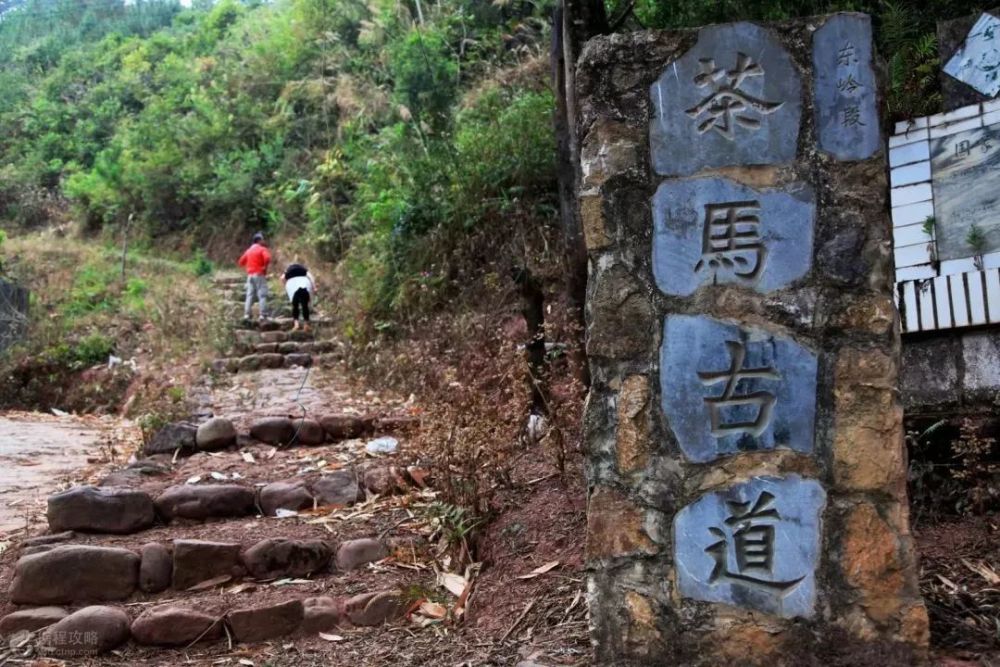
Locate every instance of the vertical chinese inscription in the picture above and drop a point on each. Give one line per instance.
(727, 389)
(733, 99)
(714, 230)
(754, 545)
(845, 96)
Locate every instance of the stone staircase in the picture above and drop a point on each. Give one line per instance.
(242, 528)
(272, 343)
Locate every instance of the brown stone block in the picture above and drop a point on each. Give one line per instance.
(595, 231)
(614, 526)
(633, 441)
(623, 325)
(871, 563)
(914, 627)
(643, 635)
(610, 148)
(874, 315)
(868, 431)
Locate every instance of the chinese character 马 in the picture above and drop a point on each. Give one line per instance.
(730, 232)
(727, 105)
(761, 402)
(752, 529)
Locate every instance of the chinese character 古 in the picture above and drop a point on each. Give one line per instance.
(761, 400)
(727, 105)
(752, 529)
(730, 232)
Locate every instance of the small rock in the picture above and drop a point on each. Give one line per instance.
(353, 554)
(203, 502)
(291, 495)
(31, 620)
(266, 347)
(382, 480)
(280, 557)
(258, 624)
(216, 433)
(308, 432)
(89, 631)
(273, 430)
(196, 561)
(171, 438)
(396, 423)
(74, 573)
(273, 337)
(322, 614)
(302, 359)
(249, 363)
(288, 347)
(101, 510)
(155, 568)
(375, 608)
(337, 488)
(56, 538)
(175, 626)
(342, 427)
(272, 360)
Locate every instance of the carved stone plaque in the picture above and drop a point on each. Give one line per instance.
(733, 99)
(977, 61)
(755, 545)
(845, 95)
(714, 230)
(727, 389)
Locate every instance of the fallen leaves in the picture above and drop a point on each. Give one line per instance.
(211, 583)
(330, 638)
(538, 571)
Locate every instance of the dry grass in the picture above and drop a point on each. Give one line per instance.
(159, 315)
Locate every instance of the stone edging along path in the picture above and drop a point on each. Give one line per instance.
(100, 574)
(122, 511)
(185, 438)
(97, 629)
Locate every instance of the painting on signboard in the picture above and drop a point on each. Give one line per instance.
(966, 182)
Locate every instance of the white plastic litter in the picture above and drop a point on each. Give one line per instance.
(384, 445)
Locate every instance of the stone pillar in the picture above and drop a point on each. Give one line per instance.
(746, 465)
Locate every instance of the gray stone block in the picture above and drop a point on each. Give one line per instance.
(929, 373)
(755, 545)
(727, 389)
(845, 94)
(733, 99)
(692, 245)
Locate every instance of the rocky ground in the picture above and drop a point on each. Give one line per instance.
(273, 531)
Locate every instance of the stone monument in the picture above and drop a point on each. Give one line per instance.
(747, 471)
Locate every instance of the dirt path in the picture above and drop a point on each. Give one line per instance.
(38, 452)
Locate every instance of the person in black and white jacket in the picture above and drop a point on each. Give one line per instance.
(300, 287)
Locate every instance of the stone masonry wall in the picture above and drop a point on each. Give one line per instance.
(825, 470)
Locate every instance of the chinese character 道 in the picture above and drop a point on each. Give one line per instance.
(751, 541)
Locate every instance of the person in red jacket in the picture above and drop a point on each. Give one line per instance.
(256, 260)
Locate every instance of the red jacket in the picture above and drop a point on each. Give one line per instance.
(256, 260)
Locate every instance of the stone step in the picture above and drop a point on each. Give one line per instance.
(289, 346)
(186, 438)
(282, 324)
(97, 629)
(81, 573)
(123, 510)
